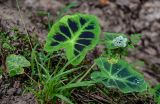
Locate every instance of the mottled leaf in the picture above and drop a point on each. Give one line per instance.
(15, 64)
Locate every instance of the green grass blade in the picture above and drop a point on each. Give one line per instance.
(64, 98)
(77, 84)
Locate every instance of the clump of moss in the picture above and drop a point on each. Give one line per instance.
(17, 43)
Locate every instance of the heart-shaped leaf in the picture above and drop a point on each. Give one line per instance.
(77, 34)
(120, 75)
(15, 64)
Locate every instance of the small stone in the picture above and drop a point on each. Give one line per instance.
(16, 84)
(146, 43)
(11, 91)
(151, 51)
(123, 2)
(97, 12)
(19, 90)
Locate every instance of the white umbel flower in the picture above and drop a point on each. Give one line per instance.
(120, 41)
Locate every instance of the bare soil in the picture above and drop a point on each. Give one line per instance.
(125, 16)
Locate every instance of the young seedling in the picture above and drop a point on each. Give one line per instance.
(115, 40)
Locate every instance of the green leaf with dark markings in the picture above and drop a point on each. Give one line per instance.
(77, 34)
(15, 64)
(120, 75)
